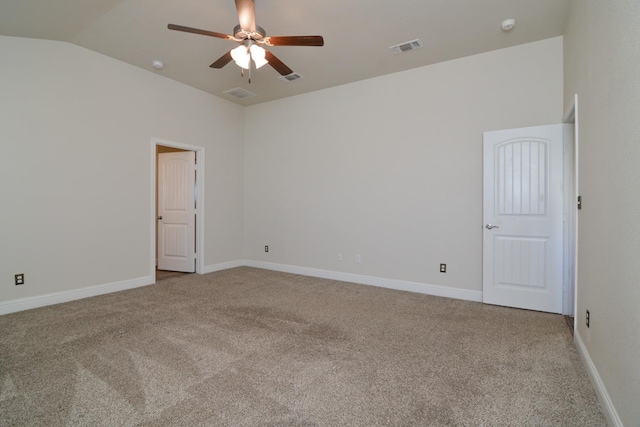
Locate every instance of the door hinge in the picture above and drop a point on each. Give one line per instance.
(579, 202)
(195, 167)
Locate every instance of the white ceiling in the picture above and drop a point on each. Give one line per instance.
(357, 34)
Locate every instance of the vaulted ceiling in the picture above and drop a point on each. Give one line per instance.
(357, 34)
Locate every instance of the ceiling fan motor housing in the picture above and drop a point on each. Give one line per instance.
(241, 34)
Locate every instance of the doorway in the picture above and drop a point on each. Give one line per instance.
(518, 272)
(168, 235)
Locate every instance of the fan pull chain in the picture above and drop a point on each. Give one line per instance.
(242, 72)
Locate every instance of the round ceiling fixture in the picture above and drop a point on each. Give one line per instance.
(158, 65)
(508, 24)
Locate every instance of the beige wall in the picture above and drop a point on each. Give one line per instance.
(75, 170)
(391, 168)
(602, 65)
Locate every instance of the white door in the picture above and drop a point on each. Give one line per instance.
(523, 218)
(176, 211)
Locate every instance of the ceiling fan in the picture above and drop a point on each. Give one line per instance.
(252, 39)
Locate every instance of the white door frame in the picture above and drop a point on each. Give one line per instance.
(199, 201)
(572, 188)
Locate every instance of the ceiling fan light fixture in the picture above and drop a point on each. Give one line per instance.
(248, 34)
(241, 56)
(258, 55)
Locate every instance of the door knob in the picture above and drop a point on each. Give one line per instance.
(489, 226)
(159, 217)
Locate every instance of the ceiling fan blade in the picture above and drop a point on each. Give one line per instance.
(202, 32)
(222, 61)
(247, 15)
(294, 41)
(278, 65)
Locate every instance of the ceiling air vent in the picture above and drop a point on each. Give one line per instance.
(290, 77)
(406, 46)
(239, 93)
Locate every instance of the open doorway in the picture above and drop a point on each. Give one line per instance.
(177, 209)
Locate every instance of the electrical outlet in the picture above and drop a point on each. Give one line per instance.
(266, 248)
(588, 318)
(19, 279)
(443, 268)
(339, 256)
(358, 258)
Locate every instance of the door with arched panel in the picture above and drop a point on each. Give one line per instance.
(523, 218)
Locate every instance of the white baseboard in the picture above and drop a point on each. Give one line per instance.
(28, 303)
(223, 266)
(601, 392)
(421, 288)
(21, 304)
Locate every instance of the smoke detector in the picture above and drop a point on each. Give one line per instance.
(158, 65)
(508, 24)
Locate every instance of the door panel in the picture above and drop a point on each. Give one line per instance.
(523, 217)
(521, 169)
(520, 261)
(176, 211)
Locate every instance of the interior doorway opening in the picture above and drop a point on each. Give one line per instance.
(177, 238)
(564, 256)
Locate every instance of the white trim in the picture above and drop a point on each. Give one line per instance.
(200, 174)
(576, 185)
(28, 303)
(609, 411)
(572, 117)
(212, 268)
(568, 234)
(421, 288)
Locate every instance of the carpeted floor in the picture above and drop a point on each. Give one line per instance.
(248, 347)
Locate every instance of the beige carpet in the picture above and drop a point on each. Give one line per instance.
(248, 347)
